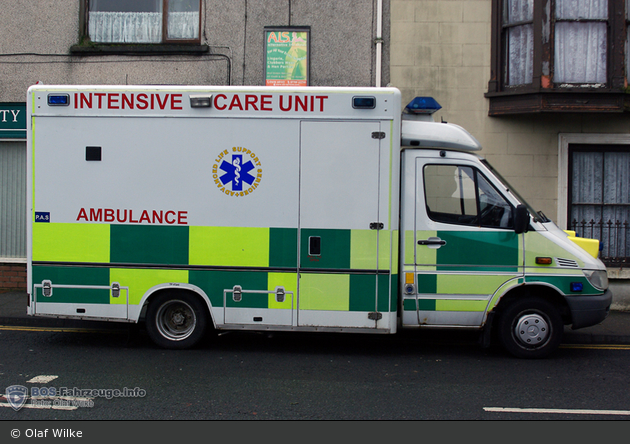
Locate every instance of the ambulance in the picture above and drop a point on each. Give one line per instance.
(194, 209)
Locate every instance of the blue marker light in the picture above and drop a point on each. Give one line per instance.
(58, 100)
(364, 102)
(577, 286)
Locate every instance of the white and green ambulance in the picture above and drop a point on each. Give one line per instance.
(297, 209)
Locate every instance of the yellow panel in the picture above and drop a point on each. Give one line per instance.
(469, 284)
(229, 246)
(460, 305)
(395, 250)
(139, 281)
(410, 247)
(424, 254)
(385, 251)
(71, 242)
(363, 249)
(590, 245)
(539, 245)
(289, 282)
(325, 292)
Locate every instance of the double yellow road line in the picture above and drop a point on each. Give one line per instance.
(53, 329)
(87, 330)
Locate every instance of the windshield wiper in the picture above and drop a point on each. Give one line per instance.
(542, 218)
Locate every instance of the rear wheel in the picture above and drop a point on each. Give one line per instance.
(176, 320)
(530, 328)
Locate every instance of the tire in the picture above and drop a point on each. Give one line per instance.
(530, 328)
(176, 320)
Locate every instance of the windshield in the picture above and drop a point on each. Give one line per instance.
(538, 215)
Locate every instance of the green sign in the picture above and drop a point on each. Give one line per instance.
(286, 56)
(12, 120)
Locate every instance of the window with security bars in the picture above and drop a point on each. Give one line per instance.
(600, 198)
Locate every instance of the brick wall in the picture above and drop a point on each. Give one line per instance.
(12, 277)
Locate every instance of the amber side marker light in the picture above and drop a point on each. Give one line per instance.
(543, 260)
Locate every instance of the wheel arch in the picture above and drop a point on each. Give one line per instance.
(156, 290)
(539, 289)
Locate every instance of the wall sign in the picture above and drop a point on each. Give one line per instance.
(12, 120)
(287, 52)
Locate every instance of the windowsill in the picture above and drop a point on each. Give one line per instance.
(558, 101)
(139, 49)
(618, 273)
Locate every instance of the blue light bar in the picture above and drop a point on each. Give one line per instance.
(58, 100)
(423, 105)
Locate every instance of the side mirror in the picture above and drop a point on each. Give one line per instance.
(521, 219)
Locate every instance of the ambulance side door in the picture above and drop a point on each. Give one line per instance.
(465, 244)
(340, 174)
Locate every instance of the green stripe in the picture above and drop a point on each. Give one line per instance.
(335, 249)
(563, 283)
(427, 283)
(479, 251)
(283, 247)
(362, 292)
(214, 282)
(149, 244)
(409, 305)
(88, 276)
(426, 304)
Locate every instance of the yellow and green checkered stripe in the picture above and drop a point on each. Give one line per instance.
(214, 259)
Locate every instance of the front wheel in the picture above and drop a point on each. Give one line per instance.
(530, 328)
(176, 320)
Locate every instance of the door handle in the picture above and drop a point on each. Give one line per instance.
(434, 242)
(314, 246)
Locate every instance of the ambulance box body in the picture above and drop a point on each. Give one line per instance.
(301, 209)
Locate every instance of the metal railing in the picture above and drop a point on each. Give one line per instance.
(614, 249)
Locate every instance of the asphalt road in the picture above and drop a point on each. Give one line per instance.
(252, 376)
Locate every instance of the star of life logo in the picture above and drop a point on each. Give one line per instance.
(237, 172)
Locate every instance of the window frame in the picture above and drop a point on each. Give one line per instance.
(85, 37)
(543, 95)
(601, 229)
(475, 220)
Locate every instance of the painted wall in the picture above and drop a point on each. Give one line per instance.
(36, 37)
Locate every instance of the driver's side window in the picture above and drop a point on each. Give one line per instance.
(463, 196)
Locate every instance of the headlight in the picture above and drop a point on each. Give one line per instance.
(597, 278)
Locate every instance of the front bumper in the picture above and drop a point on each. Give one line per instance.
(589, 310)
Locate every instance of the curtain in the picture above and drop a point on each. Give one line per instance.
(141, 27)
(183, 25)
(520, 41)
(125, 27)
(580, 47)
(600, 199)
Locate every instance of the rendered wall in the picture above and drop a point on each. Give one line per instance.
(442, 49)
(36, 37)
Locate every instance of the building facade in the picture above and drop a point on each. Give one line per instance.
(542, 84)
(182, 42)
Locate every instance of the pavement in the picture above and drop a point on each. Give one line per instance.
(615, 329)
